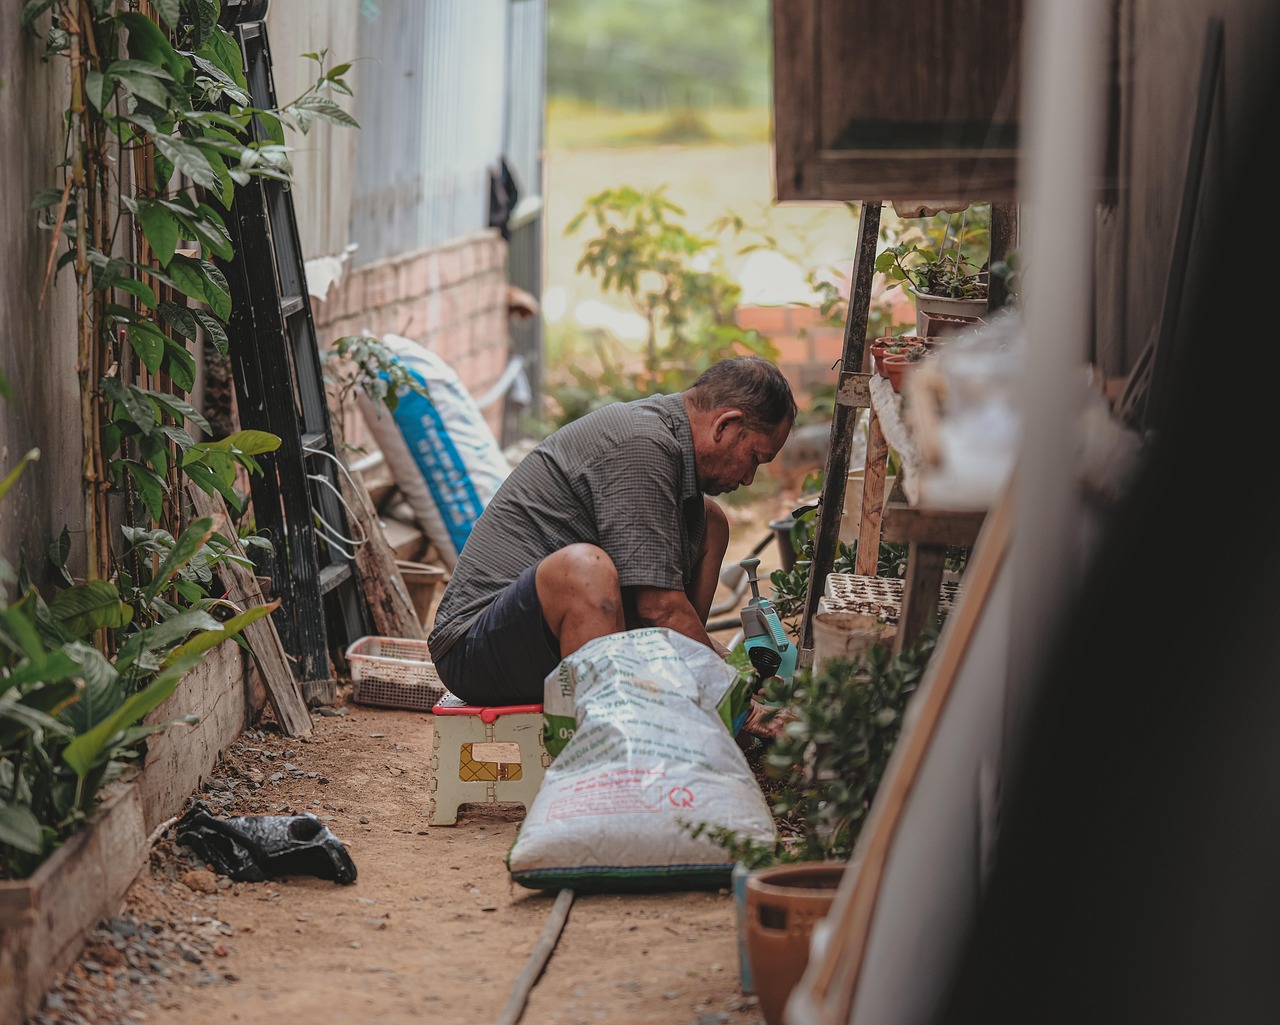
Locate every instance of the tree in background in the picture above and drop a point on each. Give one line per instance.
(658, 54)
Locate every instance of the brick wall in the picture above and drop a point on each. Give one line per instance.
(808, 349)
(452, 299)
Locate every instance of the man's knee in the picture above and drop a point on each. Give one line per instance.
(578, 567)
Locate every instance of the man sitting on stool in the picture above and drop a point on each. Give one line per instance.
(607, 525)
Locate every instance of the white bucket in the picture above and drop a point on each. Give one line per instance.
(846, 635)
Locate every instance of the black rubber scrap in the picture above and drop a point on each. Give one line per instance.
(254, 848)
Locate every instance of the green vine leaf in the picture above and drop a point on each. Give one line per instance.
(202, 281)
(151, 487)
(180, 364)
(169, 11)
(139, 290)
(148, 342)
(160, 227)
(214, 331)
(59, 549)
(20, 829)
(224, 52)
(134, 401)
(181, 319)
(178, 408)
(187, 158)
(323, 108)
(148, 43)
(251, 443)
(179, 555)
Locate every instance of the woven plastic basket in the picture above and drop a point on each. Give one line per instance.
(393, 672)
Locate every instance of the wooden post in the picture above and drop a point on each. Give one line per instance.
(393, 613)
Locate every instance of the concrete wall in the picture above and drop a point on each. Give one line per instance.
(37, 343)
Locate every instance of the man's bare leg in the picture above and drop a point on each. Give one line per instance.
(580, 595)
(706, 569)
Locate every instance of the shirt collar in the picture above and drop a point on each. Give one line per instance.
(684, 435)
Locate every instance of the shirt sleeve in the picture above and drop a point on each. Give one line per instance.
(635, 497)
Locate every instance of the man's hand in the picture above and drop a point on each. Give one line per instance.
(765, 721)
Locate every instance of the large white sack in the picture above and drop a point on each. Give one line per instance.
(650, 757)
(441, 450)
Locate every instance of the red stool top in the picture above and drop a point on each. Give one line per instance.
(451, 704)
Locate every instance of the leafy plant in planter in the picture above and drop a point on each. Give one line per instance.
(832, 754)
(950, 264)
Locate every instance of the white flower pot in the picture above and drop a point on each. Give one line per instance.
(946, 306)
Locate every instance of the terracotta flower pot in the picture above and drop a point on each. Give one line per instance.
(784, 903)
(895, 367)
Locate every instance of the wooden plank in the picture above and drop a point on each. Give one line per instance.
(282, 688)
(868, 554)
(907, 523)
(385, 594)
(44, 919)
(829, 984)
(179, 758)
(919, 592)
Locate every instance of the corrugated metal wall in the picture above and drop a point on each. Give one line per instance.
(431, 102)
(524, 138)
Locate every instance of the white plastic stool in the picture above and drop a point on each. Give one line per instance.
(483, 755)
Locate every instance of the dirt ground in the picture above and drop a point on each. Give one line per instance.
(432, 929)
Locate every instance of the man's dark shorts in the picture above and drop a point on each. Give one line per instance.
(507, 653)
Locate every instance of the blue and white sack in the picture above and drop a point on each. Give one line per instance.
(440, 448)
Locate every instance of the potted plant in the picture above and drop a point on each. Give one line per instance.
(827, 764)
(946, 274)
(899, 359)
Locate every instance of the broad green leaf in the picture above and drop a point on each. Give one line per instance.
(202, 642)
(138, 289)
(148, 43)
(204, 224)
(98, 89)
(178, 436)
(160, 227)
(92, 749)
(180, 364)
(180, 318)
(187, 158)
(98, 700)
(89, 606)
(188, 543)
(177, 628)
(169, 11)
(43, 667)
(178, 408)
(145, 87)
(213, 331)
(59, 549)
(133, 399)
(148, 342)
(151, 487)
(16, 472)
(202, 281)
(20, 829)
(325, 109)
(210, 483)
(94, 666)
(224, 51)
(252, 443)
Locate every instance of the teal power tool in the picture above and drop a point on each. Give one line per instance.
(767, 646)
